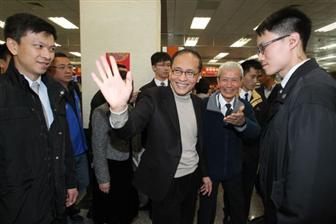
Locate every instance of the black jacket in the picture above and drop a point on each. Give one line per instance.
(157, 113)
(36, 164)
(298, 156)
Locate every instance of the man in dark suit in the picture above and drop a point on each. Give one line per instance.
(227, 119)
(161, 64)
(172, 164)
(250, 147)
(298, 145)
(36, 162)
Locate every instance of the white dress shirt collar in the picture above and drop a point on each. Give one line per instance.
(290, 73)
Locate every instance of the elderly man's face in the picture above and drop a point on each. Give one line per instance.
(229, 83)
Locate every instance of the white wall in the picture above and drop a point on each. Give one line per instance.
(118, 26)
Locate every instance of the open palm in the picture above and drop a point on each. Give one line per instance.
(115, 90)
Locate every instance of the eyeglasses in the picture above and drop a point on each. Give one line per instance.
(63, 67)
(190, 74)
(262, 46)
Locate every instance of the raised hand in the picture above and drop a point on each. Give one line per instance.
(115, 90)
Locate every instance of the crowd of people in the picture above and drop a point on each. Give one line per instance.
(172, 143)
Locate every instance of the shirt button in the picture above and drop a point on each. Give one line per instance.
(60, 133)
(57, 157)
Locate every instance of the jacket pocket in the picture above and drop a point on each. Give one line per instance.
(278, 191)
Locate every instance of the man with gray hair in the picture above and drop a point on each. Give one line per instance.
(227, 119)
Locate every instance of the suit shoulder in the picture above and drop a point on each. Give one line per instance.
(148, 85)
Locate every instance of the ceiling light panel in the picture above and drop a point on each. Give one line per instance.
(327, 28)
(221, 55)
(200, 23)
(241, 42)
(63, 22)
(213, 61)
(75, 53)
(2, 42)
(330, 46)
(191, 41)
(2, 24)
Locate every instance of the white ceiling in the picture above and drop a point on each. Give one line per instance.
(69, 39)
(230, 20)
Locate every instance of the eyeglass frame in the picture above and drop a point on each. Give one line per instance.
(189, 76)
(63, 67)
(262, 46)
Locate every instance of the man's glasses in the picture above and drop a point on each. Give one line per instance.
(190, 74)
(63, 67)
(262, 46)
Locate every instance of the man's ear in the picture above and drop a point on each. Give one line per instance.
(154, 68)
(294, 40)
(12, 46)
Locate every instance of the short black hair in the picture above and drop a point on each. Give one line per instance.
(286, 21)
(4, 52)
(17, 26)
(190, 51)
(61, 55)
(159, 57)
(248, 64)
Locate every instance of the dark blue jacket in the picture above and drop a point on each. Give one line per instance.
(222, 141)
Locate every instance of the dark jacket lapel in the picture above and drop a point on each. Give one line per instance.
(169, 102)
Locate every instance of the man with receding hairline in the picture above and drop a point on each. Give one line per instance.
(171, 168)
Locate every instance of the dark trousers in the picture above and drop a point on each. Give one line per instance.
(178, 206)
(234, 202)
(249, 176)
(120, 205)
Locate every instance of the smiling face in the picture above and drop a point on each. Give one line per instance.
(229, 82)
(34, 54)
(183, 84)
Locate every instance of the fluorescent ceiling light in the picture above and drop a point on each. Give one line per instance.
(327, 57)
(200, 22)
(328, 64)
(330, 46)
(63, 22)
(57, 45)
(256, 27)
(191, 42)
(327, 28)
(2, 42)
(241, 61)
(220, 55)
(241, 42)
(253, 57)
(75, 62)
(213, 61)
(2, 24)
(75, 53)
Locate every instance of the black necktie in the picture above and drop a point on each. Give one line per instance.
(246, 97)
(162, 84)
(228, 109)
